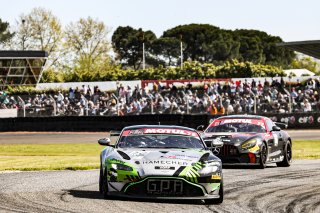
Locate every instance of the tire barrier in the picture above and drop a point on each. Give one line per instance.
(107, 123)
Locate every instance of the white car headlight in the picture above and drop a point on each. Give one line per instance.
(208, 169)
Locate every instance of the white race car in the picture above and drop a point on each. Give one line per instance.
(160, 162)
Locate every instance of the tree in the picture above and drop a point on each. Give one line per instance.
(5, 34)
(166, 50)
(205, 43)
(39, 30)
(127, 43)
(88, 47)
(259, 47)
(306, 63)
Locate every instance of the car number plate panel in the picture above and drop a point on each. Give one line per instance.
(164, 187)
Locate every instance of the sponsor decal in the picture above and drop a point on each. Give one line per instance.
(306, 119)
(171, 157)
(215, 150)
(179, 157)
(138, 155)
(274, 118)
(225, 121)
(170, 131)
(238, 121)
(160, 131)
(165, 187)
(165, 167)
(165, 162)
(216, 177)
(186, 156)
(136, 132)
(287, 120)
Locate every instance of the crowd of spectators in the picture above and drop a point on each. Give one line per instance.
(234, 97)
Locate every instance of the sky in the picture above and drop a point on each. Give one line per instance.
(292, 20)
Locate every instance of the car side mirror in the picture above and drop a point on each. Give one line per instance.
(281, 125)
(200, 128)
(276, 128)
(104, 141)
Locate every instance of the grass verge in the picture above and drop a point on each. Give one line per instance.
(27, 157)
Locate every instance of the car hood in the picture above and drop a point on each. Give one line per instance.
(164, 161)
(230, 137)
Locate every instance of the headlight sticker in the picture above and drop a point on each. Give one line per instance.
(216, 177)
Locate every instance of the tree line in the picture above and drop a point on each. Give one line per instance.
(201, 42)
(82, 51)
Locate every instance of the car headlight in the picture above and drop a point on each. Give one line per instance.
(250, 143)
(118, 166)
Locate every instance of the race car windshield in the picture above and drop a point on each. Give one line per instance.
(155, 140)
(236, 127)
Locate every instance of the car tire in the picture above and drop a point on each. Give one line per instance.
(104, 185)
(100, 180)
(286, 162)
(263, 156)
(219, 200)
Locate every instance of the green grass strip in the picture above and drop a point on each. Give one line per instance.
(27, 157)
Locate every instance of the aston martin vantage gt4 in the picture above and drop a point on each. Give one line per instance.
(248, 140)
(160, 162)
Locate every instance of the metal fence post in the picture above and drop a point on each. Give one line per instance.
(255, 101)
(220, 98)
(187, 102)
(86, 105)
(151, 105)
(23, 105)
(117, 106)
(54, 105)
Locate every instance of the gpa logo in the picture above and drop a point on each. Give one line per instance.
(274, 118)
(287, 120)
(304, 120)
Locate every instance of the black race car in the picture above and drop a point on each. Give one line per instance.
(248, 140)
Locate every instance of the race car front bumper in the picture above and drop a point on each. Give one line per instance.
(168, 188)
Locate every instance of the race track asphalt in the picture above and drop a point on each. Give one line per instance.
(92, 137)
(274, 189)
(292, 189)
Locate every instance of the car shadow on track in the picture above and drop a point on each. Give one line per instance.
(96, 195)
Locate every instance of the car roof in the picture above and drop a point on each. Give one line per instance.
(158, 126)
(243, 117)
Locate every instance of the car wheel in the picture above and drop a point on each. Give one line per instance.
(220, 199)
(263, 156)
(286, 162)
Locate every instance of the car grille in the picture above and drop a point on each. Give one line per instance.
(183, 189)
(228, 150)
